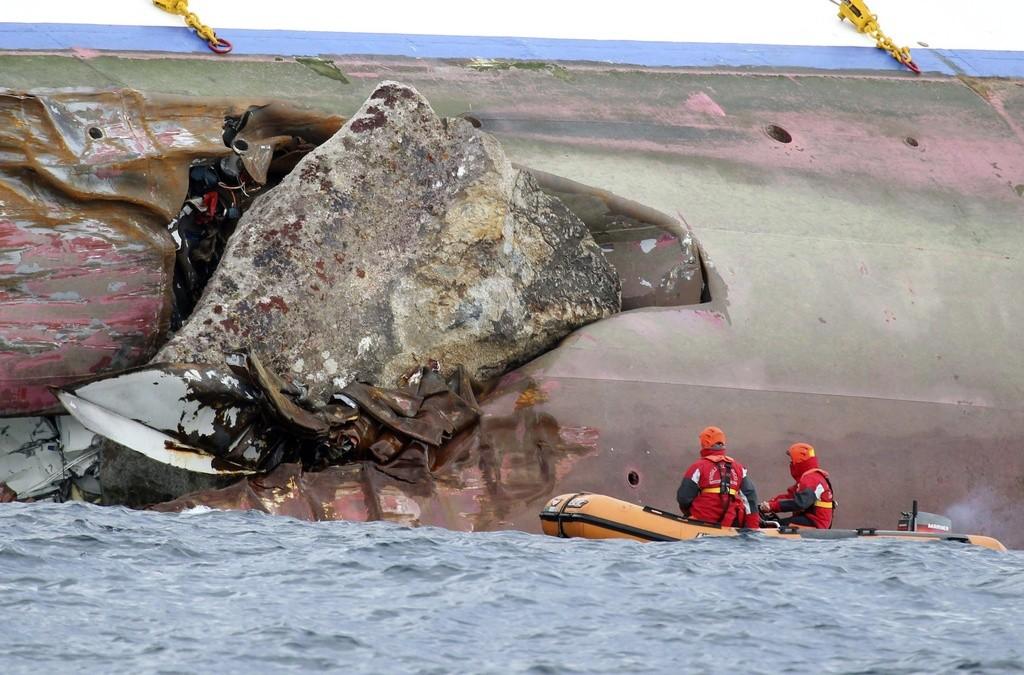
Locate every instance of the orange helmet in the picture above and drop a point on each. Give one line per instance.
(800, 452)
(710, 437)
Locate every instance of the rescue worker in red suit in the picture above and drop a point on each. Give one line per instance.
(810, 498)
(716, 488)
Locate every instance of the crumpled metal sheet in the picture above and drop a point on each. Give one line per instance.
(192, 417)
(48, 458)
(88, 183)
(246, 419)
(488, 477)
(657, 259)
(298, 420)
(337, 493)
(447, 408)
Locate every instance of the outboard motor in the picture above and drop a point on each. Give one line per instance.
(922, 521)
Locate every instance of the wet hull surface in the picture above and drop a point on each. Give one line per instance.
(863, 274)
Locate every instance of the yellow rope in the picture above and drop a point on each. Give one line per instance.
(180, 7)
(857, 12)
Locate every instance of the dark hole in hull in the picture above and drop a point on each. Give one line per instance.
(779, 134)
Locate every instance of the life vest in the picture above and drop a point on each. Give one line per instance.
(831, 504)
(725, 475)
(730, 476)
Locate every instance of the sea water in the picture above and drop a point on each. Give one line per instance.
(101, 590)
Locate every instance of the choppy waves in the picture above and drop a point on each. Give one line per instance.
(90, 589)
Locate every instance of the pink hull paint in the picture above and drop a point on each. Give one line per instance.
(78, 298)
(88, 183)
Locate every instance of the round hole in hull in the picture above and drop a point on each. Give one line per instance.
(779, 134)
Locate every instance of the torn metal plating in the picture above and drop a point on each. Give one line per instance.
(220, 189)
(47, 458)
(658, 261)
(115, 206)
(88, 183)
(246, 419)
(95, 268)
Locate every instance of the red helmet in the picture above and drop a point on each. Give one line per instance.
(712, 437)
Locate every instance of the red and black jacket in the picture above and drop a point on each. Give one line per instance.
(716, 489)
(811, 497)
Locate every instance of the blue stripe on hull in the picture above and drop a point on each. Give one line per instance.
(974, 62)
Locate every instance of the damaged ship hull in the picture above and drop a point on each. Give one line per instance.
(862, 243)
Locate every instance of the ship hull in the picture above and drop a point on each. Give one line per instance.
(863, 275)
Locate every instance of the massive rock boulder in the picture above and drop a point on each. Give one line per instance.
(405, 237)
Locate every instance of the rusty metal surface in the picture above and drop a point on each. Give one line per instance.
(88, 183)
(243, 418)
(482, 479)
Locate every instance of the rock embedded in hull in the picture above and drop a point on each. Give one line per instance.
(403, 238)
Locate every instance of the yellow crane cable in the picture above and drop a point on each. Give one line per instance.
(857, 12)
(180, 7)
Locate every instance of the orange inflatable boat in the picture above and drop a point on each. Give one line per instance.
(593, 516)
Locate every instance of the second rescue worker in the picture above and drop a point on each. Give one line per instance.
(810, 499)
(716, 488)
